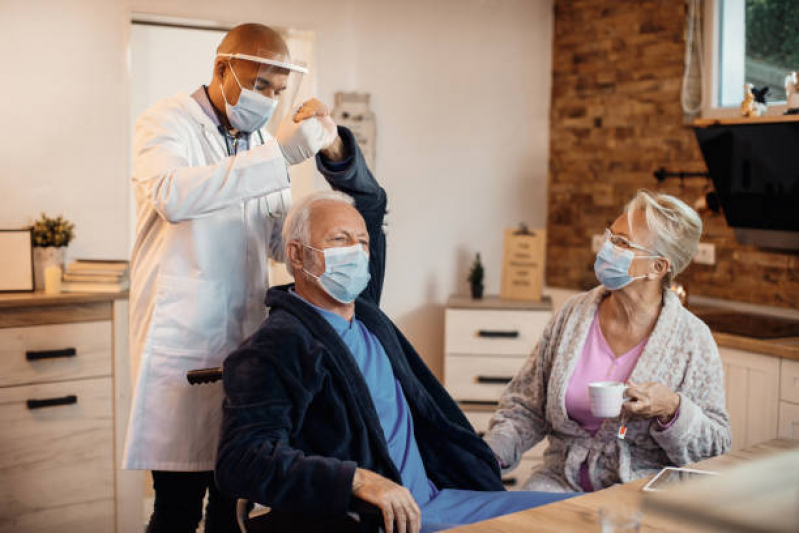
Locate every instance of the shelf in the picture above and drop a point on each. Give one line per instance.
(38, 298)
(743, 121)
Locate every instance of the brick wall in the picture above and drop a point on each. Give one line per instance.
(615, 118)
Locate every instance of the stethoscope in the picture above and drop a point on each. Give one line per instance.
(235, 141)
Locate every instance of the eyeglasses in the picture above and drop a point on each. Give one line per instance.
(623, 242)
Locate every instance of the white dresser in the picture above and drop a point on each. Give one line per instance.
(486, 343)
(64, 397)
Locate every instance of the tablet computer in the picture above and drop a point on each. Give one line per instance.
(672, 475)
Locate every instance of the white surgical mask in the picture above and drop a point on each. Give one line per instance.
(252, 111)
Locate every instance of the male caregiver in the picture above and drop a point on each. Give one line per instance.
(211, 188)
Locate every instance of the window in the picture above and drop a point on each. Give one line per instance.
(752, 41)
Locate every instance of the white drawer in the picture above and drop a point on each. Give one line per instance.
(57, 457)
(40, 354)
(477, 377)
(494, 332)
(789, 381)
(789, 421)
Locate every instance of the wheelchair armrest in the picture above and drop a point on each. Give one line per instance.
(362, 517)
(367, 514)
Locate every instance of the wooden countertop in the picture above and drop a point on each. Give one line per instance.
(39, 299)
(785, 347)
(582, 513)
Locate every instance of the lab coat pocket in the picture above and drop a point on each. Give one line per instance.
(190, 315)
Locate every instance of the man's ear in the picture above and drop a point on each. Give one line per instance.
(220, 67)
(294, 255)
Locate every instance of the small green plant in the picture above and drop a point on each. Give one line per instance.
(52, 231)
(475, 278)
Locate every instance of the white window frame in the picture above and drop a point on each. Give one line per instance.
(711, 36)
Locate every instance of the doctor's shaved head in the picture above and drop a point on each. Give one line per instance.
(254, 40)
(230, 75)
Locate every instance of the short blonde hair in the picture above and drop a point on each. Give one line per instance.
(297, 226)
(674, 228)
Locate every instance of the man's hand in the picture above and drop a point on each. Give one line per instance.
(311, 108)
(301, 140)
(650, 400)
(334, 150)
(394, 501)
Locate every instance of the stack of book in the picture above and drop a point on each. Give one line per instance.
(93, 275)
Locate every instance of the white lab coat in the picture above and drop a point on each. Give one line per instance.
(198, 275)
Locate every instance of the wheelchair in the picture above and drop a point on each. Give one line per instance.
(362, 517)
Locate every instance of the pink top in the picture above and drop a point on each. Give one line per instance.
(597, 363)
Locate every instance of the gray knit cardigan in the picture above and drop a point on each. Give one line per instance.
(680, 353)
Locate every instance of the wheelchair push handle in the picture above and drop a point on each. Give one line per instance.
(204, 375)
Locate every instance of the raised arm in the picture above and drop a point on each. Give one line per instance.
(345, 170)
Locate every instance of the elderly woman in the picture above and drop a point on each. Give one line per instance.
(631, 329)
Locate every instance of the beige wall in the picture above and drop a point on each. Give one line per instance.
(460, 88)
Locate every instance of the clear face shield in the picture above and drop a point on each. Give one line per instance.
(268, 86)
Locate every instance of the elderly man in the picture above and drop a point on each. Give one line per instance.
(328, 400)
(211, 187)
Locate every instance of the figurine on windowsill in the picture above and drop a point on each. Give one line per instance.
(754, 104)
(792, 94)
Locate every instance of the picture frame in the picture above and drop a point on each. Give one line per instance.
(16, 260)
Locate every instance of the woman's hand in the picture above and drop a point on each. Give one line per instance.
(650, 400)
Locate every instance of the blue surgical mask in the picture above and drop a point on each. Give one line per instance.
(252, 111)
(346, 272)
(612, 266)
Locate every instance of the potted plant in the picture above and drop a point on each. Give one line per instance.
(476, 278)
(51, 236)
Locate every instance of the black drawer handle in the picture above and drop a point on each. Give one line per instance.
(509, 481)
(493, 380)
(52, 402)
(50, 354)
(485, 333)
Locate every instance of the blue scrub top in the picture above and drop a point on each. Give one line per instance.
(440, 509)
(389, 401)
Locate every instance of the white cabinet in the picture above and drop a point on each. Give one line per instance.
(486, 343)
(752, 383)
(64, 398)
(789, 400)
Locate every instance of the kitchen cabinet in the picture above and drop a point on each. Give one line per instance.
(486, 343)
(752, 385)
(65, 392)
(789, 400)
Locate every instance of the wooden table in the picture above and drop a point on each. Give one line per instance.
(582, 513)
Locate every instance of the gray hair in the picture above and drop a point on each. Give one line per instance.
(674, 228)
(297, 226)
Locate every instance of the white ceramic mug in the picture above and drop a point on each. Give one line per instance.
(606, 398)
